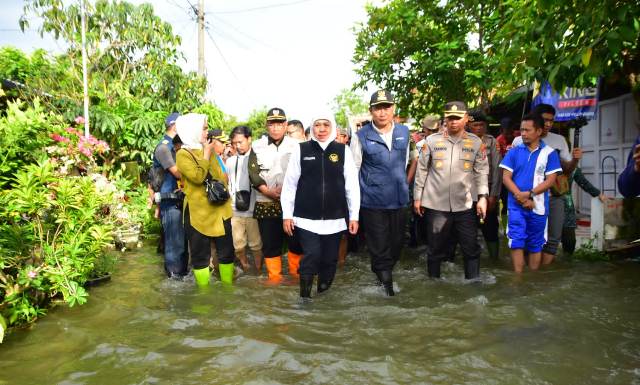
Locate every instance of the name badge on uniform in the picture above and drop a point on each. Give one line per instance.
(309, 158)
(400, 138)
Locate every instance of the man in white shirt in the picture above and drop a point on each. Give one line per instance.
(244, 226)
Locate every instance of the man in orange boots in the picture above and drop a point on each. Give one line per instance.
(267, 166)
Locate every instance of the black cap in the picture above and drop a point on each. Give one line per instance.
(381, 97)
(276, 115)
(477, 116)
(217, 134)
(456, 108)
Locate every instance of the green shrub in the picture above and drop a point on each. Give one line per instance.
(52, 231)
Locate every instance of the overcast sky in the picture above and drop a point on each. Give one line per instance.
(293, 54)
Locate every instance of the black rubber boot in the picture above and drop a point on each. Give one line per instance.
(387, 282)
(472, 269)
(494, 250)
(433, 268)
(324, 284)
(306, 284)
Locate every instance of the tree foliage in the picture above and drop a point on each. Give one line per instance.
(429, 51)
(134, 76)
(348, 102)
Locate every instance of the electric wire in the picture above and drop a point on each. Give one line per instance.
(263, 7)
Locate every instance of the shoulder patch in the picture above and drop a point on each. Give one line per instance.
(164, 141)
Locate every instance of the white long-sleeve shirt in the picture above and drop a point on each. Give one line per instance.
(320, 226)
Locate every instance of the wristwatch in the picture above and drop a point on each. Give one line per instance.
(532, 194)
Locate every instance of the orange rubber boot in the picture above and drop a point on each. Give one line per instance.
(294, 263)
(274, 268)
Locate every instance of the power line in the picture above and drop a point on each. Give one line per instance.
(243, 33)
(228, 65)
(263, 7)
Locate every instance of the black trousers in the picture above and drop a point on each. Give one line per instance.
(490, 227)
(320, 254)
(444, 226)
(200, 244)
(384, 235)
(273, 237)
(569, 240)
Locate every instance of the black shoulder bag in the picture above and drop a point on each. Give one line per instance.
(217, 193)
(242, 197)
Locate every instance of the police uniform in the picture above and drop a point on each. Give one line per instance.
(490, 226)
(449, 169)
(267, 166)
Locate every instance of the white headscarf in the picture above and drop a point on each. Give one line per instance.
(189, 128)
(332, 135)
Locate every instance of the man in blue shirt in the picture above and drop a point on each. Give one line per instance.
(629, 179)
(529, 170)
(170, 200)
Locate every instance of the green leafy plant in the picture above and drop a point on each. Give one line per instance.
(52, 230)
(588, 252)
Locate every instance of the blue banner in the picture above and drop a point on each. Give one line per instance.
(572, 103)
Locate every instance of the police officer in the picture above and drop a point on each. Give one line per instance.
(381, 153)
(450, 167)
(267, 166)
(478, 126)
(170, 200)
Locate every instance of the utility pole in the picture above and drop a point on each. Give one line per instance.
(85, 75)
(201, 38)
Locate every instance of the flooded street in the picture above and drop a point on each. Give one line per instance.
(575, 323)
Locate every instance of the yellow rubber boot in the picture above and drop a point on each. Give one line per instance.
(226, 272)
(294, 263)
(274, 268)
(202, 276)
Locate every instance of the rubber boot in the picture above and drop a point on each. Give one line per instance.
(324, 284)
(306, 283)
(226, 272)
(494, 249)
(387, 282)
(293, 260)
(274, 268)
(202, 276)
(472, 269)
(433, 268)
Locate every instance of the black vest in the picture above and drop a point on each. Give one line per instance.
(321, 193)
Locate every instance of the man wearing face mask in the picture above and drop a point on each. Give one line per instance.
(267, 165)
(451, 165)
(318, 215)
(381, 153)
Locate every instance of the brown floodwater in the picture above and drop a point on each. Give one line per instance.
(575, 323)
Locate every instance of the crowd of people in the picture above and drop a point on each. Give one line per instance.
(297, 197)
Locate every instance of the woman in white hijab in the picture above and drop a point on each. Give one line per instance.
(203, 221)
(320, 200)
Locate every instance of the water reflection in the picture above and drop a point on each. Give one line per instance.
(572, 324)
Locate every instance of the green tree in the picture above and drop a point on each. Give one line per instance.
(429, 52)
(257, 122)
(570, 43)
(134, 76)
(348, 102)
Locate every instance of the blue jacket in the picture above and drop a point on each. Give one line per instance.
(383, 179)
(170, 183)
(629, 179)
